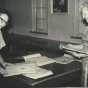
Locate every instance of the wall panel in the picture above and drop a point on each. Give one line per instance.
(20, 11)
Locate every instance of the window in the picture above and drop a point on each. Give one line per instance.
(40, 16)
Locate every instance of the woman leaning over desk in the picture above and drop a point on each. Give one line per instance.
(3, 22)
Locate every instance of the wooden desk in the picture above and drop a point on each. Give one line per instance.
(62, 75)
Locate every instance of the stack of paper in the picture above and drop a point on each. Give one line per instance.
(76, 48)
(41, 60)
(77, 51)
(20, 68)
(40, 73)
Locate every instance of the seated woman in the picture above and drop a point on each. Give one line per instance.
(3, 22)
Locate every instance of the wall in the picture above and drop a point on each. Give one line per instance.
(60, 26)
(20, 11)
(63, 26)
(1, 4)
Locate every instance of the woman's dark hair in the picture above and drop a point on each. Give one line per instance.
(9, 17)
(5, 33)
(7, 27)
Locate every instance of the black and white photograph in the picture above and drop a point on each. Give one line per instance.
(43, 43)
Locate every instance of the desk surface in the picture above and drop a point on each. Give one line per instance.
(59, 71)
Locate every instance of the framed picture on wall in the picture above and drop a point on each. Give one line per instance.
(59, 6)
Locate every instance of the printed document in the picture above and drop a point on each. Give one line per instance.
(20, 68)
(40, 73)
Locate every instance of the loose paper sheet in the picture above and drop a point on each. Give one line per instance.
(40, 73)
(21, 68)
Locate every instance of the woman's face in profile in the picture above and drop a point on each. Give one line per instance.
(2, 23)
(3, 20)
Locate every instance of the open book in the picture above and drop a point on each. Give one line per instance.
(38, 59)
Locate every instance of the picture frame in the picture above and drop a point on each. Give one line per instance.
(59, 6)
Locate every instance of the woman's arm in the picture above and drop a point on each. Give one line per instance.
(2, 63)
